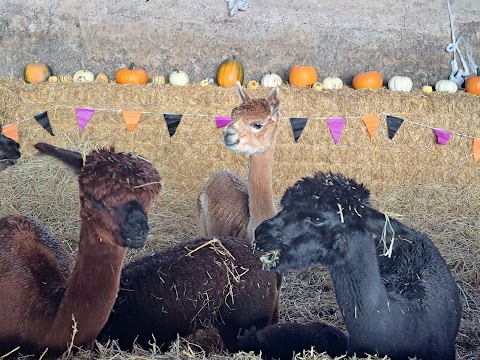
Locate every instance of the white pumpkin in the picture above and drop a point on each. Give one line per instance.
(331, 83)
(271, 80)
(400, 83)
(178, 77)
(83, 76)
(448, 86)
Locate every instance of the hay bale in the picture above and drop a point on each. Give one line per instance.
(432, 188)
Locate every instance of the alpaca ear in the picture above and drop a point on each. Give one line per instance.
(244, 97)
(71, 158)
(274, 101)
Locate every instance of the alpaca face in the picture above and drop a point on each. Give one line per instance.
(252, 129)
(254, 123)
(319, 214)
(303, 238)
(117, 191)
(9, 152)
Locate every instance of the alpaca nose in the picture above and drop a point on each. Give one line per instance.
(263, 233)
(230, 136)
(134, 229)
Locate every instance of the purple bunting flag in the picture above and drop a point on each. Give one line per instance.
(336, 126)
(83, 117)
(222, 121)
(443, 136)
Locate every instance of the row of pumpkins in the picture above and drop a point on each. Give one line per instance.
(231, 70)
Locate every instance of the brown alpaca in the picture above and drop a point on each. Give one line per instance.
(45, 292)
(184, 287)
(226, 205)
(9, 151)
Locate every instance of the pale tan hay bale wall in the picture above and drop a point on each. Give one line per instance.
(188, 158)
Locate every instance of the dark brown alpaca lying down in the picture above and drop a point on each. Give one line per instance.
(282, 340)
(44, 289)
(186, 286)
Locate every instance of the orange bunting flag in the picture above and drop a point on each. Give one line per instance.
(11, 131)
(476, 149)
(371, 122)
(131, 119)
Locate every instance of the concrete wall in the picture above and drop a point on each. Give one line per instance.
(340, 38)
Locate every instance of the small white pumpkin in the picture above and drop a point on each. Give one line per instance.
(400, 83)
(271, 80)
(179, 78)
(83, 75)
(448, 86)
(331, 83)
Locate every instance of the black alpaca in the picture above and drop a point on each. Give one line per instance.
(9, 151)
(401, 305)
(282, 340)
(186, 286)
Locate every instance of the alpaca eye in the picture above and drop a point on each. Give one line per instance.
(257, 126)
(315, 220)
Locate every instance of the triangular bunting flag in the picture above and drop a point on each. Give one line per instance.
(298, 124)
(11, 131)
(172, 120)
(443, 136)
(393, 124)
(43, 120)
(336, 126)
(222, 121)
(371, 122)
(476, 149)
(83, 117)
(131, 119)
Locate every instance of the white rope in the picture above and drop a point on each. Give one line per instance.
(458, 75)
(235, 5)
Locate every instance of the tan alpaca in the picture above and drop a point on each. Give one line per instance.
(227, 206)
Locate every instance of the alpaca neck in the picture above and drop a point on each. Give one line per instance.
(359, 288)
(91, 290)
(260, 193)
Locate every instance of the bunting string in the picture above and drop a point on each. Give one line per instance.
(298, 123)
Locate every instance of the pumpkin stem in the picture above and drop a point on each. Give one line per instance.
(83, 66)
(131, 66)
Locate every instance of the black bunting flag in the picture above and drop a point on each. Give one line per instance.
(393, 124)
(298, 124)
(43, 120)
(172, 120)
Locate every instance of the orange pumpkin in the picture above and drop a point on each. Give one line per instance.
(302, 76)
(472, 85)
(229, 71)
(367, 80)
(36, 72)
(131, 75)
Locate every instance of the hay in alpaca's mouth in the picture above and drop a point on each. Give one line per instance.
(270, 259)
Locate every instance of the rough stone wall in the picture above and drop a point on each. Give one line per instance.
(340, 38)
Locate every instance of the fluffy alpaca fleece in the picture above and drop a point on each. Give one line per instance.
(179, 289)
(394, 289)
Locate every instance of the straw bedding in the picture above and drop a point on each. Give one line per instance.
(433, 188)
